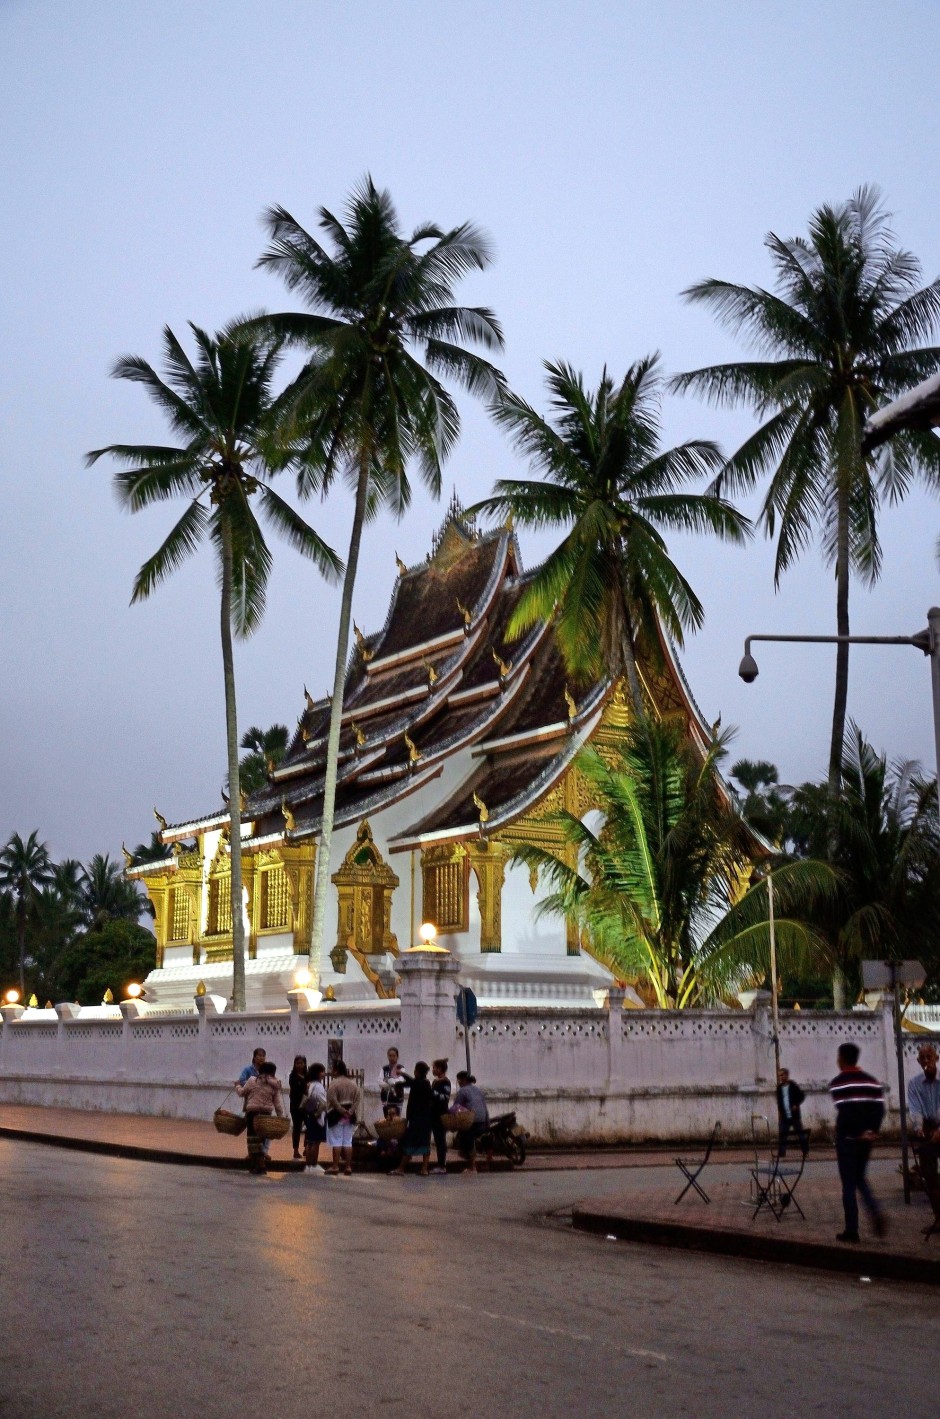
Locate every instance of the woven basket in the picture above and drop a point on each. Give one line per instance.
(270, 1126)
(458, 1122)
(387, 1128)
(227, 1122)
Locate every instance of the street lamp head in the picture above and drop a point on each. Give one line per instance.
(748, 668)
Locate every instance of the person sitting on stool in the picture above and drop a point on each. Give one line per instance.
(789, 1102)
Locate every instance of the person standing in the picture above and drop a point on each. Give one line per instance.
(392, 1083)
(790, 1099)
(262, 1095)
(470, 1096)
(341, 1100)
(315, 1117)
(440, 1090)
(251, 1071)
(859, 1101)
(296, 1090)
(417, 1140)
(923, 1101)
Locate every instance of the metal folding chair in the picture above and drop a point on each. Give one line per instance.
(692, 1167)
(765, 1191)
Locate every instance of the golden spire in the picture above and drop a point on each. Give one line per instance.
(402, 569)
(366, 654)
(414, 753)
(309, 698)
(481, 808)
(108, 997)
(433, 675)
(358, 735)
(467, 615)
(569, 701)
(510, 522)
(504, 666)
(160, 819)
(33, 1002)
(128, 857)
(290, 822)
(200, 987)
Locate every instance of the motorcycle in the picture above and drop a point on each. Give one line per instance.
(504, 1136)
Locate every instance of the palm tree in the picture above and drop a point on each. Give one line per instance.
(223, 410)
(154, 851)
(766, 800)
(660, 890)
(841, 332)
(106, 895)
(381, 327)
(25, 870)
(608, 482)
(882, 835)
(266, 748)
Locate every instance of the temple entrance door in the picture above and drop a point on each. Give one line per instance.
(364, 886)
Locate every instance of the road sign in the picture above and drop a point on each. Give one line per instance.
(466, 1006)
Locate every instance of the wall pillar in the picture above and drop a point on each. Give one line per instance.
(762, 1035)
(616, 1051)
(428, 991)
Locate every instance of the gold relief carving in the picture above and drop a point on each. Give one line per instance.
(446, 887)
(364, 886)
(488, 861)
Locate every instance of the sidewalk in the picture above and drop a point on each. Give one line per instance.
(195, 1142)
(727, 1225)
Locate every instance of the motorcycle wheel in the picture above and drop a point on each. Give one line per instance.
(515, 1150)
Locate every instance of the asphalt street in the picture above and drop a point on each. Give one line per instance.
(136, 1289)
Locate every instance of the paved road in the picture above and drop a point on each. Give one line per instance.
(134, 1289)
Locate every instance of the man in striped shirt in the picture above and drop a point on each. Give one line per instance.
(859, 1101)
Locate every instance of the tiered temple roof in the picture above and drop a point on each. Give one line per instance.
(441, 675)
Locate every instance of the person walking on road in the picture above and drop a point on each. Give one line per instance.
(296, 1090)
(859, 1101)
(341, 1100)
(315, 1117)
(440, 1089)
(262, 1095)
(420, 1115)
(251, 1071)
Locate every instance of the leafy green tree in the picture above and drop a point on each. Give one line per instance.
(843, 333)
(610, 485)
(661, 888)
(107, 957)
(882, 836)
(222, 407)
(381, 333)
(766, 802)
(106, 895)
(25, 870)
(266, 748)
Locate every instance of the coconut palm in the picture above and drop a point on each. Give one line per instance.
(882, 834)
(154, 851)
(381, 327)
(25, 871)
(610, 485)
(222, 407)
(106, 895)
(842, 334)
(765, 804)
(266, 748)
(661, 890)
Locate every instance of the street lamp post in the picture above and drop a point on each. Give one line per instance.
(927, 640)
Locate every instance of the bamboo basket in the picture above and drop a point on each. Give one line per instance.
(388, 1128)
(227, 1122)
(270, 1126)
(459, 1121)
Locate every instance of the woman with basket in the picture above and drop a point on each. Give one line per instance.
(420, 1115)
(262, 1096)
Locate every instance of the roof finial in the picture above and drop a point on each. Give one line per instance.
(467, 615)
(402, 568)
(414, 753)
(358, 735)
(505, 666)
(366, 654)
(569, 701)
(128, 857)
(309, 698)
(161, 820)
(290, 822)
(433, 675)
(481, 808)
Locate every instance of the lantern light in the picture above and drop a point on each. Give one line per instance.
(12, 997)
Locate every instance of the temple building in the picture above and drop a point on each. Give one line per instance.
(457, 745)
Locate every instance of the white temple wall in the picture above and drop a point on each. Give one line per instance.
(573, 1074)
(524, 932)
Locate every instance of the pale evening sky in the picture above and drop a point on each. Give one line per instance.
(615, 153)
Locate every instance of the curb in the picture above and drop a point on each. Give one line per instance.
(759, 1247)
(140, 1154)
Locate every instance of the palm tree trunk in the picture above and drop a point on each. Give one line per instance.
(234, 787)
(21, 945)
(842, 649)
(336, 721)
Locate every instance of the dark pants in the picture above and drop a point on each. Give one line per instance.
(440, 1142)
(298, 1116)
(852, 1155)
(255, 1146)
(467, 1141)
(793, 1124)
(927, 1156)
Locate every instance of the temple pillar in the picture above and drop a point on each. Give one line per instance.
(488, 861)
(428, 991)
